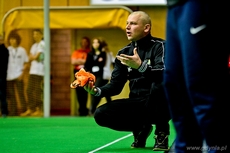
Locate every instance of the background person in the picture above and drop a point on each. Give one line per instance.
(78, 60)
(196, 77)
(18, 59)
(109, 63)
(141, 63)
(4, 54)
(36, 74)
(95, 64)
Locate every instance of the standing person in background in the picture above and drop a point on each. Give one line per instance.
(78, 59)
(36, 74)
(17, 63)
(95, 64)
(109, 64)
(196, 78)
(141, 63)
(4, 54)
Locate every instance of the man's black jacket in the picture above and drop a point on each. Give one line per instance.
(151, 51)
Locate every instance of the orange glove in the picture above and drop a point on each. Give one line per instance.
(82, 78)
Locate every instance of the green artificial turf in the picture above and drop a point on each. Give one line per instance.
(66, 135)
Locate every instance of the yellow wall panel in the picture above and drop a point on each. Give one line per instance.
(6, 5)
(79, 2)
(32, 3)
(158, 16)
(58, 3)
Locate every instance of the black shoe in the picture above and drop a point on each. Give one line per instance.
(137, 144)
(141, 137)
(161, 142)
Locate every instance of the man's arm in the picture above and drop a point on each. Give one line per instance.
(77, 61)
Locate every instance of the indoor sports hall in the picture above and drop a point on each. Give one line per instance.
(60, 129)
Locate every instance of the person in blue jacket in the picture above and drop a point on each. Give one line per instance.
(196, 77)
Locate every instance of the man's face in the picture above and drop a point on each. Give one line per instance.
(37, 36)
(13, 42)
(84, 44)
(134, 28)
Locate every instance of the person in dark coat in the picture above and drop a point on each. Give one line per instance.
(4, 55)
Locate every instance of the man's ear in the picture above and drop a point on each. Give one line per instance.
(147, 28)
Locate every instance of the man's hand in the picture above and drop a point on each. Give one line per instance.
(131, 61)
(90, 88)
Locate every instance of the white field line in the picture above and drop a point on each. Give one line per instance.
(111, 143)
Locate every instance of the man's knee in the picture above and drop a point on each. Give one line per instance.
(99, 117)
